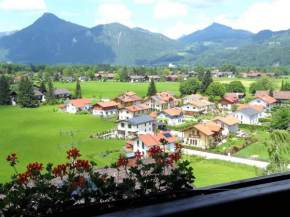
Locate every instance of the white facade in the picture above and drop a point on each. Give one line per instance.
(246, 119)
(138, 145)
(125, 114)
(259, 101)
(172, 120)
(105, 112)
(126, 128)
(227, 128)
(192, 108)
(154, 104)
(226, 106)
(71, 108)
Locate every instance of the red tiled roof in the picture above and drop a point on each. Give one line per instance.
(281, 95)
(80, 102)
(231, 99)
(151, 140)
(173, 111)
(266, 98)
(108, 104)
(62, 105)
(257, 107)
(139, 107)
(153, 115)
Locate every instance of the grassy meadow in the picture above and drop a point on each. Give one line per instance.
(34, 135)
(213, 172)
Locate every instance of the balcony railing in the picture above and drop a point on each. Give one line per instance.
(194, 136)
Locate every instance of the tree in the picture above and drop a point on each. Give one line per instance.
(56, 76)
(280, 119)
(236, 87)
(229, 67)
(50, 95)
(78, 90)
(105, 78)
(180, 78)
(25, 93)
(278, 147)
(90, 74)
(116, 77)
(190, 86)
(285, 86)
(271, 92)
(152, 88)
(216, 89)
(207, 80)
(42, 87)
(263, 83)
(200, 72)
(123, 72)
(5, 98)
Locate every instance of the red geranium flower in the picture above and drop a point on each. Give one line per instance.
(155, 150)
(23, 177)
(138, 154)
(73, 153)
(178, 147)
(60, 170)
(122, 161)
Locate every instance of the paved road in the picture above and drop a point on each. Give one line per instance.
(226, 158)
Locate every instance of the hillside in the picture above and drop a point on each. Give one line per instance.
(52, 40)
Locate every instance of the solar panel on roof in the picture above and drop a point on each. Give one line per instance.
(167, 135)
(140, 106)
(133, 97)
(158, 98)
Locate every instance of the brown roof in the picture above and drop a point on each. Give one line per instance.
(173, 111)
(130, 93)
(195, 96)
(80, 102)
(107, 104)
(153, 115)
(261, 92)
(197, 103)
(234, 95)
(281, 95)
(139, 107)
(208, 128)
(257, 107)
(229, 120)
(62, 105)
(151, 140)
(266, 98)
(130, 142)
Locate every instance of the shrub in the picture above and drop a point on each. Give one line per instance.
(83, 113)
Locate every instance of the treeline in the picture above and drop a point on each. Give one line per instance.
(90, 70)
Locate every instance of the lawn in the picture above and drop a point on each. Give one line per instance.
(95, 89)
(34, 135)
(212, 172)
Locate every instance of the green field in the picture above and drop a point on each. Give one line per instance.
(33, 134)
(212, 172)
(95, 89)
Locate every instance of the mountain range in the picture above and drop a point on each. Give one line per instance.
(51, 40)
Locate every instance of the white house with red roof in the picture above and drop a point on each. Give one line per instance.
(172, 116)
(227, 103)
(144, 142)
(76, 105)
(138, 125)
(229, 124)
(162, 100)
(127, 99)
(265, 100)
(133, 111)
(105, 108)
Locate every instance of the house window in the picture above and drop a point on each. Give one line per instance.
(145, 124)
(193, 132)
(129, 126)
(142, 145)
(137, 143)
(241, 117)
(127, 112)
(122, 125)
(149, 129)
(137, 126)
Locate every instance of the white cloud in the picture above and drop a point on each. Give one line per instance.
(145, 1)
(203, 3)
(24, 5)
(274, 16)
(70, 14)
(108, 1)
(165, 9)
(110, 13)
(226, 19)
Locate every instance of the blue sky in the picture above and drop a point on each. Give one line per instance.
(170, 17)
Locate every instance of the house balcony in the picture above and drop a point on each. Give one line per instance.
(194, 136)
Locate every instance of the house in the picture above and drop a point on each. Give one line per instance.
(202, 135)
(143, 143)
(172, 78)
(82, 79)
(67, 79)
(133, 111)
(259, 108)
(247, 115)
(229, 124)
(61, 93)
(76, 105)
(265, 100)
(127, 99)
(254, 75)
(105, 108)
(194, 107)
(235, 95)
(128, 147)
(281, 96)
(161, 100)
(172, 116)
(136, 78)
(227, 103)
(261, 93)
(39, 97)
(156, 78)
(16, 79)
(136, 125)
(193, 97)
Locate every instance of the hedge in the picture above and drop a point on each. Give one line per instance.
(253, 127)
(263, 120)
(182, 126)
